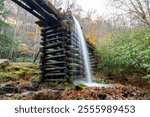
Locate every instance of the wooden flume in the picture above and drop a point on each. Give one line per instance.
(60, 53)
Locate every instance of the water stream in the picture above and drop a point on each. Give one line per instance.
(87, 65)
(88, 70)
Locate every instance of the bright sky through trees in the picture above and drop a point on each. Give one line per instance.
(99, 5)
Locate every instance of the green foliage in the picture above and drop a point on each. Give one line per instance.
(6, 43)
(1, 4)
(126, 52)
(6, 40)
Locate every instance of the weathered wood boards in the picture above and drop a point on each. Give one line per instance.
(39, 9)
(60, 52)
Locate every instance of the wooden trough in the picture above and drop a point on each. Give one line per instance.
(60, 52)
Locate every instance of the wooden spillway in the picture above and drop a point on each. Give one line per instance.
(60, 52)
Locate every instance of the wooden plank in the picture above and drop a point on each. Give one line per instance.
(41, 11)
(55, 57)
(54, 74)
(46, 5)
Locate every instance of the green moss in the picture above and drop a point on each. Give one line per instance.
(1, 92)
(19, 73)
(80, 87)
(4, 77)
(69, 85)
(55, 84)
(19, 70)
(30, 71)
(23, 66)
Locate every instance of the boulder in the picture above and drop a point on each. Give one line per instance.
(4, 63)
(33, 86)
(80, 87)
(9, 94)
(27, 93)
(9, 88)
(102, 96)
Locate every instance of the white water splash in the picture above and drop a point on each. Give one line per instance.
(88, 70)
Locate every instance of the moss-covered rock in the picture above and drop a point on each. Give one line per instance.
(21, 74)
(80, 87)
(3, 63)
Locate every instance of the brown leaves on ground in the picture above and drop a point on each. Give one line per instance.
(17, 76)
(119, 92)
(21, 75)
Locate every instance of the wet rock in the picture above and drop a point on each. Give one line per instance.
(80, 87)
(5, 84)
(127, 95)
(9, 88)
(34, 86)
(9, 94)
(27, 93)
(77, 88)
(102, 96)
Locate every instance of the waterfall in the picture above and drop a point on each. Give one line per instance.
(84, 50)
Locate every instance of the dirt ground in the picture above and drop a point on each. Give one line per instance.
(16, 79)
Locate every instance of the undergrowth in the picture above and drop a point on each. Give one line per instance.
(126, 52)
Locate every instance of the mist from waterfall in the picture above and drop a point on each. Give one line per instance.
(84, 49)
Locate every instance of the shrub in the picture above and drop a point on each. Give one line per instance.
(126, 52)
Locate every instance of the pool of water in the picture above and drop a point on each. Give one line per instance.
(94, 84)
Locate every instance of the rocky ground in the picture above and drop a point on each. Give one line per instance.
(16, 80)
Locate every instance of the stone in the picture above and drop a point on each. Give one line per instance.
(127, 94)
(4, 63)
(9, 88)
(102, 96)
(9, 94)
(80, 87)
(34, 86)
(27, 93)
(6, 84)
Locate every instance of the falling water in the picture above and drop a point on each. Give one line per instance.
(84, 51)
(86, 59)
